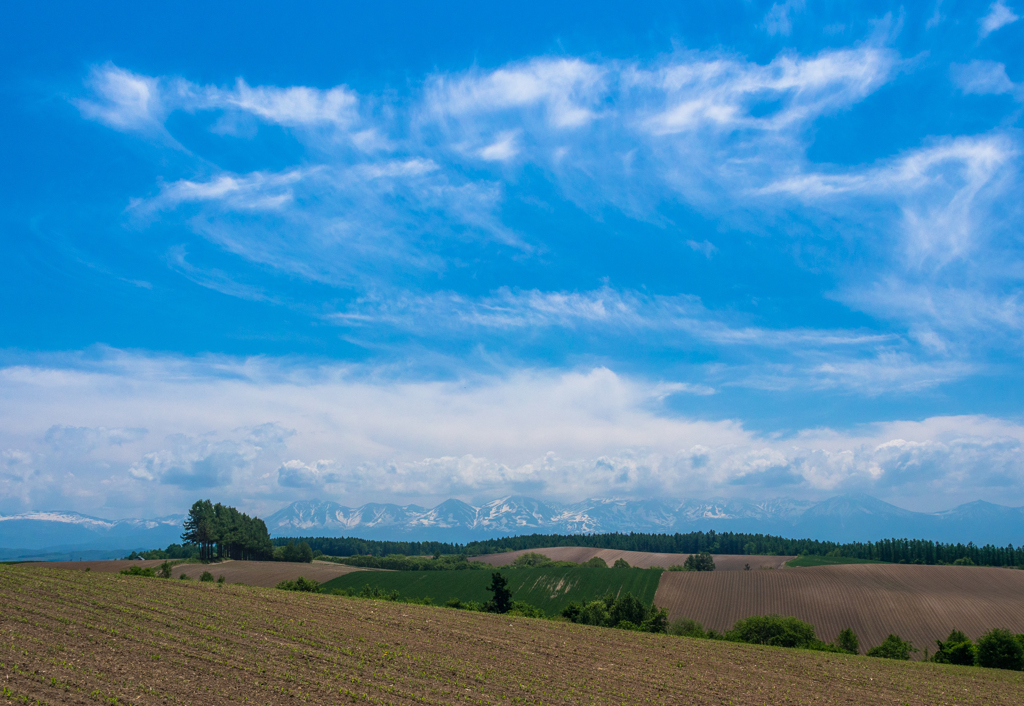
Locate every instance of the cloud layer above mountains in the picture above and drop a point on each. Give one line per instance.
(260, 433)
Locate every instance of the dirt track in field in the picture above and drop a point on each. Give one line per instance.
(643, 560)
(251, 573)
(919, 603)
(70, 637)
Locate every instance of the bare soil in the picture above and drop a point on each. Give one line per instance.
(71, 637)
(918, 603)
(643, 560)
(251, 573)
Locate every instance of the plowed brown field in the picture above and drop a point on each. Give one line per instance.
(919, 603)
(643, 560)
(251, 573)
(70, 637)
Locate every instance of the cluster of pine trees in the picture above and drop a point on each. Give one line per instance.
(222, 532)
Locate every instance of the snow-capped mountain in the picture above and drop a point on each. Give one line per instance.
(66, 530)
(842, 518)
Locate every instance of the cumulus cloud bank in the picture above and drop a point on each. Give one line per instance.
(254, 432)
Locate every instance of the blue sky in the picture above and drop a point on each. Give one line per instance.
(400, 254)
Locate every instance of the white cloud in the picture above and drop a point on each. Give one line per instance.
(705, 248)
(123, 100)
(940, 190)
(294, 106)
(999, 15)
(502, 149)
(296, 474)
(566, 90)
(225, 426)
(778, 21)
(508, 309)
(722, 93)
(338, 225)
(982, 77)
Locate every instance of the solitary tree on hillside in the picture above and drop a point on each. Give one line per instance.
(847, 641)
(502, 600)
(699, 562)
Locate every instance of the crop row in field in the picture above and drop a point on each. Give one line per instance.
(70, 637)
(808, 561)
(550, 589)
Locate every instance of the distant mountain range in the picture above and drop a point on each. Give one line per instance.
(843, 518)
(67, 535)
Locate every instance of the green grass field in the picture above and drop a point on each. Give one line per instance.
(828, 561)
(548, 589)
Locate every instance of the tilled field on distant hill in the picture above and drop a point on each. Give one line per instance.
(71, 637)
(642, 560)
(919, 603)
(251, 573)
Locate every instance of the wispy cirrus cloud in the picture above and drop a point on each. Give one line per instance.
(383, 196)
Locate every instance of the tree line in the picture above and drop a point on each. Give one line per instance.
(353, 546)
(910, 551)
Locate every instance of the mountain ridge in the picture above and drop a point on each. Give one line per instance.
(842, 518)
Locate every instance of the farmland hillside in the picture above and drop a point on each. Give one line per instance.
(919, 603)
(251, 573)
(643, 560)
(72, 637)
(550, 589)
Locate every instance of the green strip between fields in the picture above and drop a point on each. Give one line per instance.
(551, 590)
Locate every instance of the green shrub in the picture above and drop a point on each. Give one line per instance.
(774, 630)
(620, 564)
(892, 647)
(206, 576)
(846, 641)
(526, 610)
(221, 579)
(531, 559)
(956, 649)
(1000, 649)
(686, 627)
(595, 563)
(300, 584)
(965, 561)
(627, 612)
(165, 570)
(185, 577)
(137, 571)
